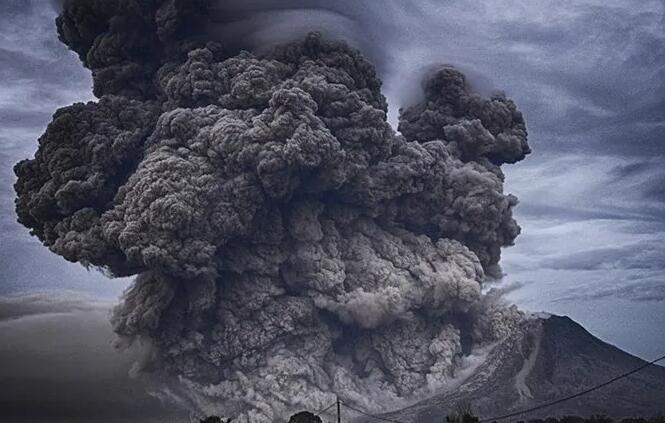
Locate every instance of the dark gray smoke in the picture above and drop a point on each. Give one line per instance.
(289, 245)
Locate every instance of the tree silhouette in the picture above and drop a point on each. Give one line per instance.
(463, 414)
(305, 417)
(215, 419)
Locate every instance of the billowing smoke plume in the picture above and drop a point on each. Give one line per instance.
(289, 244)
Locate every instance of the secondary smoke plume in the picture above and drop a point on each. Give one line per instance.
(288, 244)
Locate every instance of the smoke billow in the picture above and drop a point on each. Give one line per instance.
(288, 244)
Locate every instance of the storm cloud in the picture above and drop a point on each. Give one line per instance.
(290, 246)
(588, 75)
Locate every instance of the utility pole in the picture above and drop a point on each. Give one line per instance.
(339, 415)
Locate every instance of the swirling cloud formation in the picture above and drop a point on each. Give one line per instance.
(289, 245)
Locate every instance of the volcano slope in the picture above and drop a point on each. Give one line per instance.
(545, 359)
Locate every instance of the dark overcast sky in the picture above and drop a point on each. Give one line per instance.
(588, 74)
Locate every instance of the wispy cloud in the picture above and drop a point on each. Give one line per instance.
(40, 303)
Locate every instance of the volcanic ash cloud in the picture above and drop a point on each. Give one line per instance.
(289, 245)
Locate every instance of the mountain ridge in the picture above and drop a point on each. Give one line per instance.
(545, 359)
